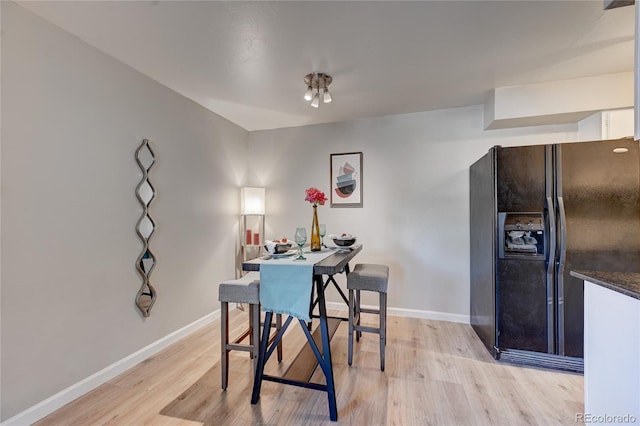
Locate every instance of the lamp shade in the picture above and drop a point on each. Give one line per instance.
(316, 101)
(308, 95)
(327, 96)
(252, 200)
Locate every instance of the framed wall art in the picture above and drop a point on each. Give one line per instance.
(346, 179)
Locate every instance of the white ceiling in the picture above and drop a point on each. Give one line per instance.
(246, 60)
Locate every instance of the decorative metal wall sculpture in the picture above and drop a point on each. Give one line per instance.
(145, 192)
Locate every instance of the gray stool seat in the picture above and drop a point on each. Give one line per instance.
(368, 277)
(242, 290)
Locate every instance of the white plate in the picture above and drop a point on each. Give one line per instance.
(285, 254)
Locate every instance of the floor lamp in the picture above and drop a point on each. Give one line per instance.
(252, 210)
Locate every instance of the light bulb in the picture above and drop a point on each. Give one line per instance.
(327, 96)
(308, 94)
(316, 101)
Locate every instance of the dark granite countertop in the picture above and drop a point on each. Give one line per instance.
(627, 283)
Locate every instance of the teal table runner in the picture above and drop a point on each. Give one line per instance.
(286, 285)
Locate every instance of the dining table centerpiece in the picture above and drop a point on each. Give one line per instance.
(315, 197)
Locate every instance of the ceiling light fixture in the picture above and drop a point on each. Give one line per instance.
(317, 82)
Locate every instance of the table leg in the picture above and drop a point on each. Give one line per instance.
(330, 279)
(326, 350)
(358, 306)
(257, 380)
(279, 327)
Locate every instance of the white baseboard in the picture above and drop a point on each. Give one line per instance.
(51, 404)
(410, 313)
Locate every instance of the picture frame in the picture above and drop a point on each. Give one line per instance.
(346, 179)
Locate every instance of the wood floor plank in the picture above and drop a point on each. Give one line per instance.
(437, 373)
(305, 363)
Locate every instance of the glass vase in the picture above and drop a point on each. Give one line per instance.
(316, 241)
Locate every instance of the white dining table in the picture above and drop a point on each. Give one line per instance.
(337, 261)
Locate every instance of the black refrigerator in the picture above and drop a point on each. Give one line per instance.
(537, 213)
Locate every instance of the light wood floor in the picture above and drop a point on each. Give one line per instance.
(437, 373)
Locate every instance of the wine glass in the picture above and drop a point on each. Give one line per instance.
(301, 239)
(323, 232)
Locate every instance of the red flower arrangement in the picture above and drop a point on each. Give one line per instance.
(315, 196)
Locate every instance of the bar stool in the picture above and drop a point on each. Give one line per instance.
(242, 290)
(368, 277)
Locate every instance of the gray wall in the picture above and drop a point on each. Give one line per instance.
(72, 119)
(416, 195)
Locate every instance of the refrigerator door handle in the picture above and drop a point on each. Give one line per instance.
(552, 239)
(550, 281)
(562, 246)
(551, 252)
